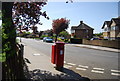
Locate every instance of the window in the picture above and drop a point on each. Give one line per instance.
(72, 31)
(106, 29)
(86, 31)
(117, 28)
(113, 28)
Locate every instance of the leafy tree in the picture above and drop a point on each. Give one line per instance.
(24, 14)
(64, 34)
(98, 34)
(27, 14)
(59, 25)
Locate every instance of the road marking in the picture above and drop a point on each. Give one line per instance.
(94, 47)
(67, 66)
(98, 68)
(81, 69)
(71, 64)
(116, 74)
(64, 61)
(97, 71)
(36, 54)
(83, 66)
(115, 70)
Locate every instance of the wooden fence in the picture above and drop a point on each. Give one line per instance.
(12, 68)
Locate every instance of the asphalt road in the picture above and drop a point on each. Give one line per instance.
(95, 64)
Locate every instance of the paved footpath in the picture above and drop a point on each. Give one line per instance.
(41, 68)
(96, 47)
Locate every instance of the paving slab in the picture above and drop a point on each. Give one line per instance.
(40, 68)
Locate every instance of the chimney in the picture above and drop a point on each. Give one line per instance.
(81, 22)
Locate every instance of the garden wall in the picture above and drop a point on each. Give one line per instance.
(105, 43)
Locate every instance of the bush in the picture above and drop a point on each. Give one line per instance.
(43, 36)
(76, 41)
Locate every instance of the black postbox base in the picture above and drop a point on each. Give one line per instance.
(59, 68)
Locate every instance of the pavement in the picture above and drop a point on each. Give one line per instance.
(97, 47)
(40, 68)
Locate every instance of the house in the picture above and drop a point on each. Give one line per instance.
(112, 29)
(82, 31)
(106, 30)
(48, 32)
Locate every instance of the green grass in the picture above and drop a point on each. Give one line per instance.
(37, 38)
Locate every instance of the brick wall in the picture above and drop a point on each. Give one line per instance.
(83, 34)
(105, 43)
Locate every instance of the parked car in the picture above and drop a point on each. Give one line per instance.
(47, 39)
(62, 38)
(94, 39)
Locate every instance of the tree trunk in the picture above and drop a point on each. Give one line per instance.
(56, 37)
(9, 30)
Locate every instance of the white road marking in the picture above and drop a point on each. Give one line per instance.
(36, 54)
(97, 71)
(83, 66)
(71, 64)
(64, 61)
(94, 47)
(98, 68)
(81, 69)
(115, 70)
(67, 66)
(116, 74)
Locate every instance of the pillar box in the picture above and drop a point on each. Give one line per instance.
(59, 58)
(53, 53)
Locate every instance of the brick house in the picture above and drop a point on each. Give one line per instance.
(112, 29)
(82, 31)
(48, 32)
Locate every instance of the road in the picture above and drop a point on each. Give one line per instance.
(95, 64)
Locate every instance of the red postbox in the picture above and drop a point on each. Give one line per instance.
(59, 59)
(53, 53)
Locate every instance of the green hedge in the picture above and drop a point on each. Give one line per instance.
(76, 41)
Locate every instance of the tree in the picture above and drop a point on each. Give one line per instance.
(22, 19)
(27, 14)
(64, 34)
(24, 14)
(98, 34)
(59, 25)
(8, 30)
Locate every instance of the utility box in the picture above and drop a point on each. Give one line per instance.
(59, 57)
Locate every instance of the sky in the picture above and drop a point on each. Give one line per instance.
(91, 13)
